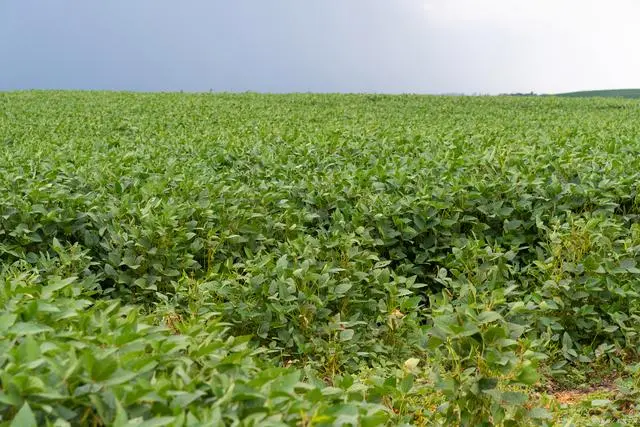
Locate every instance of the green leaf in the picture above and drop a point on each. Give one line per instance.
(157, 422)
(488, 316)
(540, 414)
(11, 399)
(406, 384)
(567, 343)
(7, 320)
(120, 377)
(27, 328)
(597, 403)
(342, 288)
(527, 375)
(24, 417)
(103, 370)
(110, 271)
(282, 263)
(512, 225)
(346, 334)
(121, 418)
(56, 285)
(514, 398)
(379, 418)
(183, 399)
(286, 383)
(487, 384)
(55, 243)
(381, 264)
(627, 263)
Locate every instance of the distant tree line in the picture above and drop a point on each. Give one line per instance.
(520, 94)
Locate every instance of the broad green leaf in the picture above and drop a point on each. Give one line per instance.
(56, 285)
(514, 398)
(157, 422)
(488, 316)
(346, 334)
(540, 414)
(342, 288)
(27, 328)
(406, 384)
(24, 417)
(596, 403)
(527, 375)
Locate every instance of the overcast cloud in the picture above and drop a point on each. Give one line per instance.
(418, 46)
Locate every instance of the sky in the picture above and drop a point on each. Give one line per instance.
(382, 46)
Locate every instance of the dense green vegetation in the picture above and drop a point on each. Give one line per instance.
(610, 93)
(174, 259)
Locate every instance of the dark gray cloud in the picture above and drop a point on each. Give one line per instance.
(419, 46)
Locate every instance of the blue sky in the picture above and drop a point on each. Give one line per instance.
(416, 46)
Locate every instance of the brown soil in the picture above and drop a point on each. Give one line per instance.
(572, 396)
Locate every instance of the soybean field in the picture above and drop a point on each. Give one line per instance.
(318, 260)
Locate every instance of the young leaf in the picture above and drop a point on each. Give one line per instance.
(24, 417)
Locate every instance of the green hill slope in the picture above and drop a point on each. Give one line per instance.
(613, 93)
